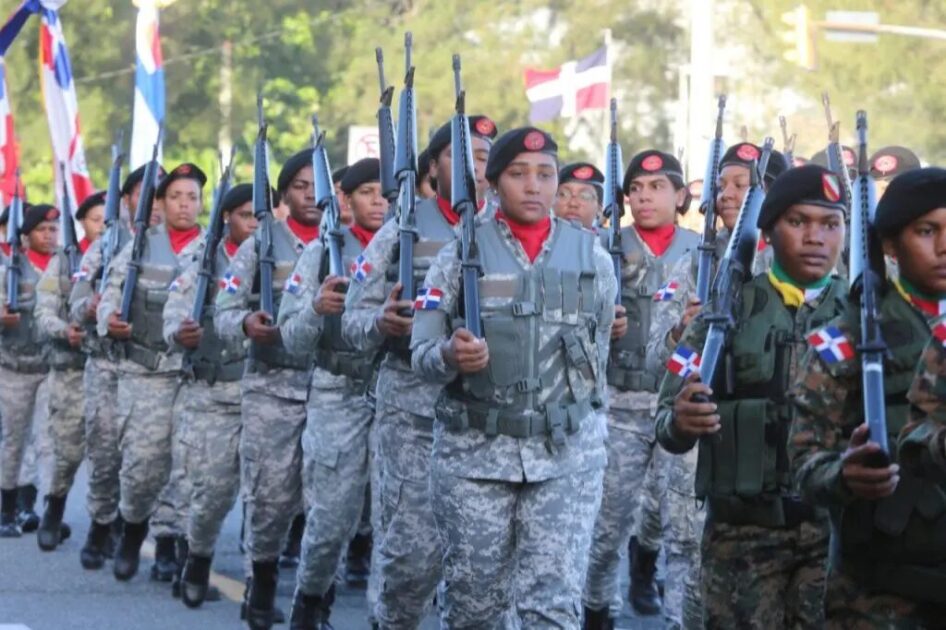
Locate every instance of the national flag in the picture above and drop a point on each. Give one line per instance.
(571, 89)
(428, 299)
(667, 291)
(9, 149)
(229, 283)
(832, 345)
(360, 268)
(175, 285)
(80, 275)
(683, 362)
(293, 284)
(149, 84)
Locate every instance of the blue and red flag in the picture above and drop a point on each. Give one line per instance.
(683, 362)
(569, 90)
(9, 149)
(149, 84)
(831, 344)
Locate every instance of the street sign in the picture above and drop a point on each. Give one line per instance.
(362, 143)
(844, 26)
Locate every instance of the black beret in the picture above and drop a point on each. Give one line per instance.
(480, 126)
(338, 174)
(137, 175)
(744, 153)
(181, 171)
(292, 166)
(423, 164)
(808, 184)
(514, 142)
(653, 162)
(34, 215)
(848, 156)
(95, 199)
(891, 161)
(361, 172)
(908, 197)
(581, 172)
(240, 194)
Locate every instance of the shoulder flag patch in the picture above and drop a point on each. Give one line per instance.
(80, 275)
(832, 345)
(175, 285)
(360, 268)
(683, 362)
(293, 284)
(428, 299)
(667, 291)
(229, 283)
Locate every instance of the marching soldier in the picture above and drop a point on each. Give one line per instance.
(764, 550)
(887, 551)
(580, 194)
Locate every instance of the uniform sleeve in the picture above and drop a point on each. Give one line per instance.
(180, 303)
(922, 443)
(671, 384)
(606, 289)
(112, 294)
(667, 313)
(365, 299)
(299, 324)
(432, 327)
(232, 303)
(48, 300)
(84, 290)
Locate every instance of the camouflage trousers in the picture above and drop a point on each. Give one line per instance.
(66, 428)
(170, 511)
(18, 401)
(145, 418)
(851, 606)
(209, 437)
(100, 387)
(758, 577)
(515, 554)
(409, 560)
(373, 591)
(336, 472)
(270, 469)
(37, 443)
(685, 515)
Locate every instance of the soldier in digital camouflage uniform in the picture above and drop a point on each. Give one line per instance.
(274, 387)
(339, 414)
(888, 559)
(410, 552)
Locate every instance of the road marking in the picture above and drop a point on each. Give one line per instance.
(229, 588)
(13, 626)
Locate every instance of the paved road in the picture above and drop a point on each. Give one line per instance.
(51, 591)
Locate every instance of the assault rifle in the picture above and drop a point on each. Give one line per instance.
(707, 247)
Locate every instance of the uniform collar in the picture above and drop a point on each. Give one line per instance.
(794, 294)
(930, 305)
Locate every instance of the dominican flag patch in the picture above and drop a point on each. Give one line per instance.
(428, 299)
(229, 283)
(939, 333)
(293, 284)
(832, 345)
(683, 362)
(666, 292)
(80, 275)
(175, 285)
(360, 268)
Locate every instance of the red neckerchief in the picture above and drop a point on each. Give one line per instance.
(657, 239)
(84, 244)
(231, 247)
(5, 248)
(180, 238)
(363, 235)
(530, 236)
(762, 245)
(446, 209)
(305, 233)
(39, 260)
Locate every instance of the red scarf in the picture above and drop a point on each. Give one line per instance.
(84, 244)
(657, 239)
(305, 233)
(447, 210)
(530, 236)
(180, 238)
(5, 248)
(39, 260)
(362, 234)
(231, 247)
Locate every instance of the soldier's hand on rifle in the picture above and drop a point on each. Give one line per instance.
(330, 300)
(189, 333)
(117, 329)
(692, 310)
(8, 319)
(91, 307)
(859, 471)
(693, 418)
(74, 335)
(619, 326)
(464, 352)
(259, 327)
(390, 322)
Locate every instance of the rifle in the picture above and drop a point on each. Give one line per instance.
(463, 200)
(331, 229)
(113, 196)
(70, 241)
(833, 151)
(788, 143)
(263, 209)
(707, 247)
(389, 187)
(405, 169)
(15, 266)
(613, 199)
(735, 269)
(142, 221)
(866, 273)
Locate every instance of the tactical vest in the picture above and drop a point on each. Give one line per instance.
(333, 354)
(62, 356)
(896, 544)
(540, 325)
(744, 470)
(626, 369)
(275, 356)
(213, 360)
(22, 348)
(86, 288)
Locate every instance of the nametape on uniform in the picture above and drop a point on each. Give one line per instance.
(229, 283)
(683, 362)
(293, 284)
(831, 344)
(360, 268)
(666, 292)
(428, 299)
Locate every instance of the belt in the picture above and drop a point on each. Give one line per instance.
(631, 380)
(145, 357)
(555, 421)
(263, 358)
(211, 373)
(26, 368)
(777, 512)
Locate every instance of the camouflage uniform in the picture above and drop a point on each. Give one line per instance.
(273, 399)
(516, 490)
(632, 397)
(763, 550)
(338, 418)
(884, 554)
(146, 424)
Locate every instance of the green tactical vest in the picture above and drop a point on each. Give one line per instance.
(159, 266)
(745, 468)
(22, 347)
(61, 355)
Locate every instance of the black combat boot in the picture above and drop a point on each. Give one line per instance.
(26, 516)
(289, 558)
(278, 615)
(358, 561)
(128, 553)
(598, 620)
(114, 535)
(49, 534)
(165, 559)
(9, 528)
(262, 597)
(644, 596)
(195, 580)
(92, 555)
(180, 555)
(311, 612)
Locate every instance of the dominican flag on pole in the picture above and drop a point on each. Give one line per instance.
(9, 150)
(575, 87)
(149, 85)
